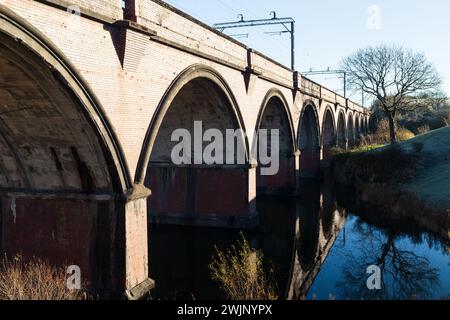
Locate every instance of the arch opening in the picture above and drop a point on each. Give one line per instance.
(278, 176)
(45, 140)
(60, 165)
(328, 135)
(357, 129)
(366, 126)
(199, 190)
(342, 139)
(309, 144)
(350, 131)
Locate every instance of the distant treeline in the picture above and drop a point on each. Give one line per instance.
(417, 121)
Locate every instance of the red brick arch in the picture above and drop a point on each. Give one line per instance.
(274, 114)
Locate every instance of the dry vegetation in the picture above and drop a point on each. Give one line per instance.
(391, 165)
(381, 135)
(377, 139)
(240, 273)
(34, 280)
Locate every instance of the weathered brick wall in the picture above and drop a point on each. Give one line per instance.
(63, 231)
(185, 31)
(108, 8)
(272, 70)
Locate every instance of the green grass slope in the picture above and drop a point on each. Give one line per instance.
(432, 182)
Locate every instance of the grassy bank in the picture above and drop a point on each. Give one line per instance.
(432, 182)
(409, 181)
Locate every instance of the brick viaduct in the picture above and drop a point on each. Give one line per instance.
(89, 93)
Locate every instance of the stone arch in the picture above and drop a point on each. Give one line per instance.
(329, 135)
(341, 131)
(196, 192)
(363, 125)
(185, 77)
(350, 130)
(62, 169)
(309, 141)
(366, 124)
(357, 127)
(274, 114)
(49, 75)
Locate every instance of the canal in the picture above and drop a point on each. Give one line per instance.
(316, 248)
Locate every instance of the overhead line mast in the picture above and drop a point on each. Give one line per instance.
(287, 23)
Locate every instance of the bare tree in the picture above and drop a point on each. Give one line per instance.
(397, 78)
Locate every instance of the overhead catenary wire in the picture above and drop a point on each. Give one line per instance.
(256, 35)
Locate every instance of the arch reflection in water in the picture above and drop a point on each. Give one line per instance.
(316, 249)
(319, 221)
(291, 236)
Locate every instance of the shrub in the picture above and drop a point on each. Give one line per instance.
(423, 129)
(392, 165)
(382, 134)
(404, 134)
(34, 280)
(240, 273)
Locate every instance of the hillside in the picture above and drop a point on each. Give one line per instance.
(432, 182)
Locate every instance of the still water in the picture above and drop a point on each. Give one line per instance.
(317, 249)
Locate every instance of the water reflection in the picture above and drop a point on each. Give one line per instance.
(320, 220)
(179, 256)
(404, 273)
(316, 249)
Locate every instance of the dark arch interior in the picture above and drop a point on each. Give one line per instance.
(275, 117)
(181, 193)
(329, 134)
(341, 131)
(309, 134)
(46, 143)
(364, 123)
(351, 133)
(309, 144)
(357, 127)
(199, 100)
(55, 180)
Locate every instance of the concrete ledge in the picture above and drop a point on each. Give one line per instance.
(131, 25)
(31, 194)
(289, 86)
(141, 291)
(203, 166)
(197, 53)
(211, 220)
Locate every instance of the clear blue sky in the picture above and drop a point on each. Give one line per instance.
(329, 30)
